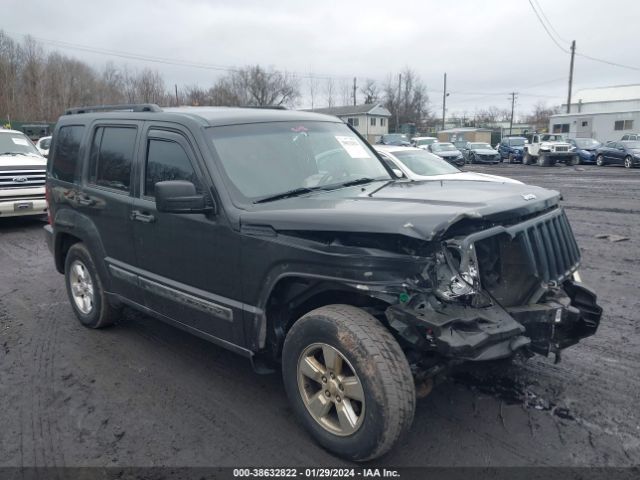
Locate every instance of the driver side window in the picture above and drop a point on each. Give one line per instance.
(167, 160)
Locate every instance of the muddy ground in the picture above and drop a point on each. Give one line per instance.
(143, 393)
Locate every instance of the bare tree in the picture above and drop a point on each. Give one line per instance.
(330, 92)
(370, 91)
(313, 84)
(346, 92)
(410, 104)
(539, 117)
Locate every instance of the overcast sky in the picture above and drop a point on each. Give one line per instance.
(488, 48)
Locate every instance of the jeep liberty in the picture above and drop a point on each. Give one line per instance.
(282, 236)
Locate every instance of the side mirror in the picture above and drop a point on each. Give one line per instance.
(398, 173)
(179, 196)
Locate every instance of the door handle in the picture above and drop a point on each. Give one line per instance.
(86, 201)
(143, 217)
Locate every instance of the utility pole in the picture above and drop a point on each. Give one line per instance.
(573, 54)
(354, 91)
(177, 101)
(444, 100)
(398, 103)
(513, 104)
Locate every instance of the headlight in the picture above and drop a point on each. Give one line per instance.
(453, 283)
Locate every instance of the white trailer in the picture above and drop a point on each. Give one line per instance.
(603, 126)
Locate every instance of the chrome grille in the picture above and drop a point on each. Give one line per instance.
(551, 248)
(25, 177)
(562, 149)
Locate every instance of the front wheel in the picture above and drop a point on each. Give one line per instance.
(600, 161)
(527, 159)
(628, 162)
(348, 381)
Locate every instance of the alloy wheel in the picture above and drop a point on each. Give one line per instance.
(330, 389)
(81, 287)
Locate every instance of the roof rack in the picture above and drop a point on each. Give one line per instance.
(126, 107)
(265, 107)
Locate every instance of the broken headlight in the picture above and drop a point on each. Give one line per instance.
(456, 273)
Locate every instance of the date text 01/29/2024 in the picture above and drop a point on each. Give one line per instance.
(315, 472)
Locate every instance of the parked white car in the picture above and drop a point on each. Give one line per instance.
(418, 164)
(22, 176)
(43, 145)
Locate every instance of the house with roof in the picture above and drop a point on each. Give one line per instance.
(605, 113)
(371, 120)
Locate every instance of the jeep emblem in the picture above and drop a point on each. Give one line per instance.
(19, 179)
(529, 196)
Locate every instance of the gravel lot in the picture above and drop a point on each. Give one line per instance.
(143, 393)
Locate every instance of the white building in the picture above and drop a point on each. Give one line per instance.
(605, 113)
(370, 120)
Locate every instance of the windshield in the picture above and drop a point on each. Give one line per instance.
(516, 142)
(632, 144)
(442, 147)
(424, 163)
(480, 146)
(426, 141)
(587, 143)
(396, 137)
(16, 144)
(266, 159)
(552, 138)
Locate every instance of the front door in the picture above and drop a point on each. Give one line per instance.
(188, 263)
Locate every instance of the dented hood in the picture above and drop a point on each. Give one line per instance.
(424, 209)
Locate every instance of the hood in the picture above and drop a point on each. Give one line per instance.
(452, 153)
(21, 161)
(484, 151)
(423, 209)
(480, 177)
(517, 147)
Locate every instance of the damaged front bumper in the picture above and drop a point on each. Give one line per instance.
(496, 291)
(568, 314)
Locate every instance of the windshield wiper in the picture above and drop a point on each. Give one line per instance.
(359, 181)
(13, 153)
(288, 194)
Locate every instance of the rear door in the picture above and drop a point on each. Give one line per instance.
(105, 196)
(188, 263)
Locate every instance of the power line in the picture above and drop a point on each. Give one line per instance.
(549, 23)
(607, 62)
(155, 59)
(546, 29)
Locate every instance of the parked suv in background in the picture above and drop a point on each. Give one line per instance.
(630, 136)
(511, 148)
(282, 236)
(22, 176)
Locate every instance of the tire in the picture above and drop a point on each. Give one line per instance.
(545, 161)
(600, 161)
(574, 160)
(628, 162)
(372, 357)
(89, 302)
(510, 159)
(527, 159)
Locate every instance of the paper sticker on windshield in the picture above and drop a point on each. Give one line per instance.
(20, 141)
(353, 147)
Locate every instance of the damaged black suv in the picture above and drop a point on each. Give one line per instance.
(282, 236)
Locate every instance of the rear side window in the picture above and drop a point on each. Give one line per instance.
(166, 160)
(67, 147)
(111, 157)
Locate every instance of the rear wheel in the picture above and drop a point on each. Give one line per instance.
(84, 287)
(348, 381)
(628, 162)
(600, 161)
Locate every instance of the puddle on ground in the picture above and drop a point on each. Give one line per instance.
(510, 391)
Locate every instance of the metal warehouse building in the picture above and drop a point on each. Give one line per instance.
(605, 113)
